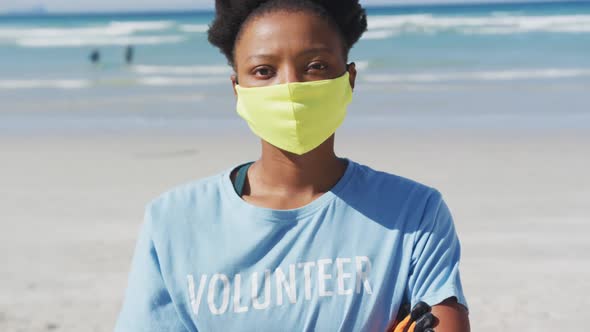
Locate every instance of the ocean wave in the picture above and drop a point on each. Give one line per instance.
(416, 78)
(502, 75)
(200, 28)
(361, 64)
(73, 84)
(44, 84)
(381, 27)
(180, 81)
(379, 34)
(135, 26)
(182, 70)
(114, 28)
(99, 41)
(112, 33)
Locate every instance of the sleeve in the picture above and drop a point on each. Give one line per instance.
(434, 274)
(147, 305)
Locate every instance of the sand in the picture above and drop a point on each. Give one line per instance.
(72, 205)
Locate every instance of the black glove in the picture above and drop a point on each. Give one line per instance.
(420, 319)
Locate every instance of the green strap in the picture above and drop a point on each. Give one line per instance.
(241, 178)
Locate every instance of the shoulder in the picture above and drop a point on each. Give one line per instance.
(187, 193)
(392, 200)
(393, 186)
(183, 201)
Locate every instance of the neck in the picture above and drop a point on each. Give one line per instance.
(314, 172)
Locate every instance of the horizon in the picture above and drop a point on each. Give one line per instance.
(42, 10)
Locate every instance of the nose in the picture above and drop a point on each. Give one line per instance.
(289, 74)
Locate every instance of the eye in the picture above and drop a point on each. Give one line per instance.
(317, 66)
(263, 72)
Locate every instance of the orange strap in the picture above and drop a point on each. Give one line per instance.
(405, 325)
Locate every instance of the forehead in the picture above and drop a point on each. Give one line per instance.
(283, 33)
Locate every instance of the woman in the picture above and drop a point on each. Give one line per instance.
(299, 240)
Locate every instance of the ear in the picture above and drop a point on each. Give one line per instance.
(234, 82)
(352, 74)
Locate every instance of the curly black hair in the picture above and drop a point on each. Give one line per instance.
(348, 16)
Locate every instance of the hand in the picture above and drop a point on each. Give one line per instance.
(420, 319)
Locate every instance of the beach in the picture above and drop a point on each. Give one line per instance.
(72, 209)
(488, 104)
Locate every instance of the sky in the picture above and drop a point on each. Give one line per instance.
(145, 5)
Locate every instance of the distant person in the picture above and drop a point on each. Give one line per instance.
(129, 54)
(95, 56)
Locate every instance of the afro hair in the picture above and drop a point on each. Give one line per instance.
(348, 16)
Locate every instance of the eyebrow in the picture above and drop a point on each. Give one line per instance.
(266, 56)
(261, 56)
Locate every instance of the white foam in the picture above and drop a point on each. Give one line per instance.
(48, 84)
(135, 26)
(111, 29)
(116, 31)
(199, 28)
(99, 41)
(380, 26)
(182, 70)
(505, 75)
(361, 65)
(379, 34)
(72, 84)
(179, 81)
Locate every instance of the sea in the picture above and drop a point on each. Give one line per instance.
(517, 65)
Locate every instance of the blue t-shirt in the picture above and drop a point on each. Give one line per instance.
(206, 260)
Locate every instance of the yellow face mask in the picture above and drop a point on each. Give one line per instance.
(296, 117)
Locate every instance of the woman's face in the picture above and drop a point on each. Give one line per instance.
(285, 47)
